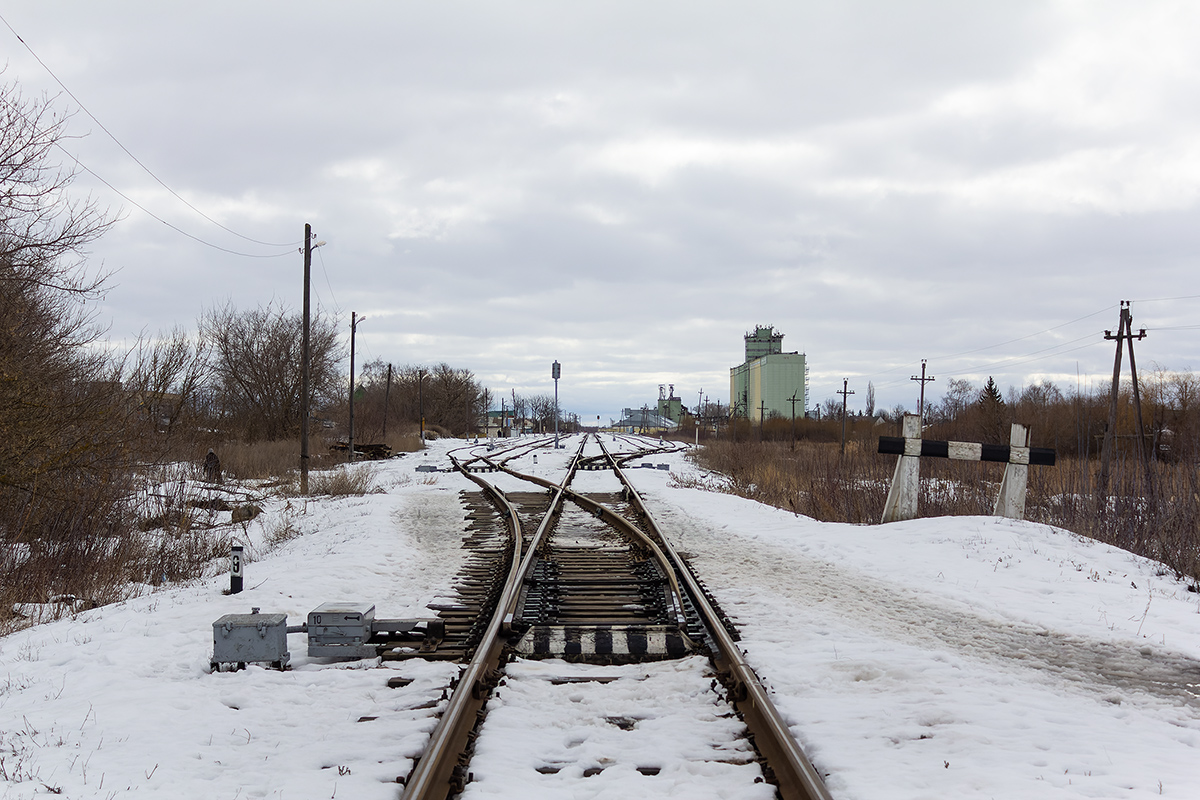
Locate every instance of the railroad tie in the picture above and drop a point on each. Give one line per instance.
(579, 642)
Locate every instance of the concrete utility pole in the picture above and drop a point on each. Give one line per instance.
(843, 393)
(353, 326)
(305, 412)
(1124, 334)
(923, 380)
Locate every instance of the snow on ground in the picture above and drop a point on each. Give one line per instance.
(956, 657)
(556, 730)
(960, 657)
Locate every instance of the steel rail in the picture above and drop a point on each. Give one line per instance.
(795, 775)
(434, 771)
(606, 514)
(433, 774)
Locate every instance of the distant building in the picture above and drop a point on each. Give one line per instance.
(643, 420)
(669, 406)
(768, 380)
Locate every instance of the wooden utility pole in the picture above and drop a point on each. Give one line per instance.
(793, 400)
(843, 393)
(421, 402)
(387, 393)
(1124, 334)
(762, 419)
(304, 411)
(923, 380)
(353, 326)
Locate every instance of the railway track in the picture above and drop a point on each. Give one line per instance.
(586, 577)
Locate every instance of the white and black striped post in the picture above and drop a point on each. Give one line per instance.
(906, 480)
(1017, 456)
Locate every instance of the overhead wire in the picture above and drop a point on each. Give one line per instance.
(145, 168)
(336, 305)
(150, 213)
(1009, 361)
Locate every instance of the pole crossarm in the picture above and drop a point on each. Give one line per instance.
(966, 451)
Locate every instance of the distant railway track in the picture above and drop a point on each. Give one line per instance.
(589, 578)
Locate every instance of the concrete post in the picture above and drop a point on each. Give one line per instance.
(1010, 502)
(906, 481)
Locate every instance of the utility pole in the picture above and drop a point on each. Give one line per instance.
(304, 357)
(843, 393)
(421, 402)
(762, 418)
(699, 411)
(1124, 334)
(923, 380)
(387, 392)
(353, 326)
(793, 400)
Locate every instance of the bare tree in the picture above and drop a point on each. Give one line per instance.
(165, 381)
(65, 463)
(256, 368)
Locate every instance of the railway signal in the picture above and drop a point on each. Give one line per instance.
(556, 373)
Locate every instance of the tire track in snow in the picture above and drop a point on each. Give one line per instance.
(1110, 669)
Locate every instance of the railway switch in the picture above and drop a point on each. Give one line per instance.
(240, 639)
(341, 630)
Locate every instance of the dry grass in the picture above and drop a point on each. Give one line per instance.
(356, 480)
(1162, 523)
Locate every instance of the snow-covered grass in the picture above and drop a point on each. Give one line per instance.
(954, 657)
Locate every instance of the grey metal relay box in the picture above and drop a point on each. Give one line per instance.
(341, 630)
(240, 639)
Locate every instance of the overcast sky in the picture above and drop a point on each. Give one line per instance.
(630, 187)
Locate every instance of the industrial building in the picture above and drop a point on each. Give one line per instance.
(769, 380)
(669, 405)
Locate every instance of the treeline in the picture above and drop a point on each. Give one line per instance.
(452, 401)
(83, 424)
(1071, 420)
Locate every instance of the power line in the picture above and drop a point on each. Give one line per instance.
(147, 211)
(1165, 299)
(1022, 338)
(336, 305)
(138, 161)
(1027, 357)
(905, 366)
